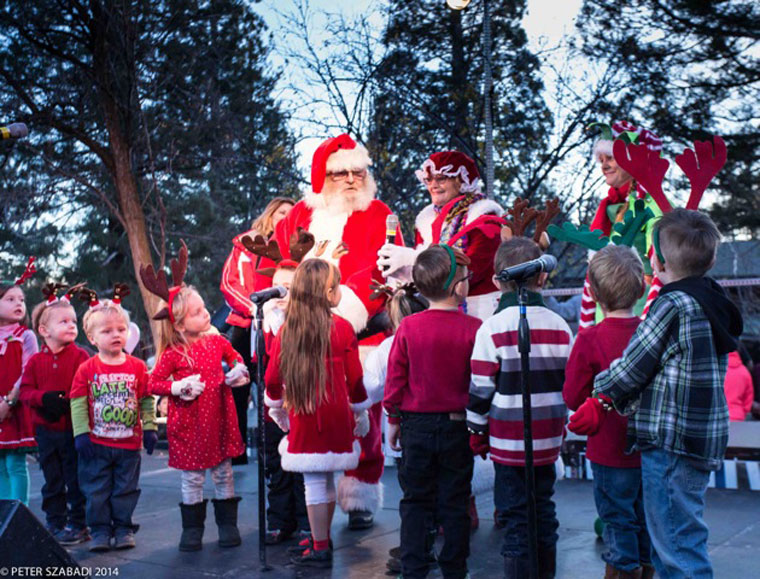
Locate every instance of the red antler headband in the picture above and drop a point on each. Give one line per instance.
(29, 271)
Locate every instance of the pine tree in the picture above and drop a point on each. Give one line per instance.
(692, 70)
(151, 122)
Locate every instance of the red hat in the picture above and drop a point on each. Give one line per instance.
(347, 153)
(452, 164)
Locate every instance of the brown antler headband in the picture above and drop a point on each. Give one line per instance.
(156, 283)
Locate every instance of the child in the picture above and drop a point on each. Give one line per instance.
(286, 510)
(425, 399)
(45, 387)
(670, 379)
(313, 384)
(738, 388)
(202, 427)
(17, 345)
(495, 413)
(616, 277)
(111, 414)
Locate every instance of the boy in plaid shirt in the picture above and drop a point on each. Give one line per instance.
(669, 381)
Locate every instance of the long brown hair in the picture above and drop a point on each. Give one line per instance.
(263, 223)
(305, 336)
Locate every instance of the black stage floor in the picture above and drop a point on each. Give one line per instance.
(733, 517)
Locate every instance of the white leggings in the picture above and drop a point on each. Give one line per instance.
(320, 487)
(221, 475)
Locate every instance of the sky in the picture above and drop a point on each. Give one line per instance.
(545, 22)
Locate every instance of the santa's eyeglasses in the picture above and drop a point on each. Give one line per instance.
(358, 174)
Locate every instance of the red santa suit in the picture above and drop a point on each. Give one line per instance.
(474, 226)
(361, 228)
(324, 441)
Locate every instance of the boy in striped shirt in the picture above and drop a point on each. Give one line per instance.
(494, 411)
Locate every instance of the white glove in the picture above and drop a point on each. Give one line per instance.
(280, 417)
(238, 376)
(392, 258)
(362, 423)
(189, 388)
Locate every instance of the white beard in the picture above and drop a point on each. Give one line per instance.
(342, 204)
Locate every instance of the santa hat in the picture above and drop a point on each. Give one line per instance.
(452, 164)
(626, 132)
(339, 153)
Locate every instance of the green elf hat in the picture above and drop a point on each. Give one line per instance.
(624, 131)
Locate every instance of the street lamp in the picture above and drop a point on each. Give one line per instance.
(488, 84)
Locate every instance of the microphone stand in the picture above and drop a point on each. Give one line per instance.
(523, 346)
(261, 439)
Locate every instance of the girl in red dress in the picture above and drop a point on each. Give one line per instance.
(17, 345)
(314, 390)
(202, 427)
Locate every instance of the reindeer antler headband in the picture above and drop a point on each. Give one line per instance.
(301, 242)
(521, 215)
(157, 284)
(50, 291)
(90, 296)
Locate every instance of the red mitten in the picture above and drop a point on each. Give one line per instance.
(479, 445)
(588, 418)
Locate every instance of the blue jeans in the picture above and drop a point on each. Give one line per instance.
(109, 481)
(510, 500)
(62, 500)
(674, 501)
(619, 502)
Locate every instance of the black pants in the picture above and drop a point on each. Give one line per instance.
(62, 500)
(511, 502)
(241, 341)
(286, 495)
(435, 473)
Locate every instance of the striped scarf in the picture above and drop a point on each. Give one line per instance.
(457, 218)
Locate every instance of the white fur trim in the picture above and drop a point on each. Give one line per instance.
(448, 171)
(483, 207)
(483, 475)
(355, 495)
(318, 461)
(424, 221)
(483, 306)
(602, 147)
(364, 405)
(352, 309)
(424, 224)
(348, 159)
(272, 403)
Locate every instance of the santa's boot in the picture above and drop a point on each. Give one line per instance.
(193, 518)
(226, 514)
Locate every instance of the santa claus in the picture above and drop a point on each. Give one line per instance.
(459, 215)
(348, 225)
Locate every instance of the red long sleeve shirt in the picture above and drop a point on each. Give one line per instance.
(47, 372)
(429, 363)
(594, 350)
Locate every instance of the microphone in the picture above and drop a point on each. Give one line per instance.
(391, 225)
(13, 131)
(523, 271)
(262, 296)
